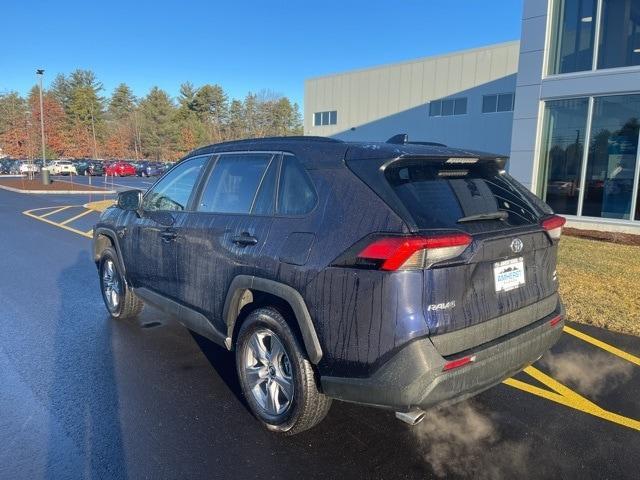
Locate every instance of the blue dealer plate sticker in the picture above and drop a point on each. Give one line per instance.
(509, 274)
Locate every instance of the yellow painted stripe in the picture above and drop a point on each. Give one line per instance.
(605, 346)
(90, 232)
(76, 217)
(567, 397)
(55, 211)
(46, 220)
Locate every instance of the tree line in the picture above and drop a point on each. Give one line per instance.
(79, 122)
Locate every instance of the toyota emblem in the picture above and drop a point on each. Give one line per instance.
(516, 245)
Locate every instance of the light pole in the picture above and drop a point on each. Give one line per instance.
(40, 72)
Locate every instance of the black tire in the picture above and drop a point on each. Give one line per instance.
(308, 405)
(128, 305)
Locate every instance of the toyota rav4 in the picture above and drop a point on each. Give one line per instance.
(398, 275)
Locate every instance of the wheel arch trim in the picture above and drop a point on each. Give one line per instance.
(242, 283)
(111, 235)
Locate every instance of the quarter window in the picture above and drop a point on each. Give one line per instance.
(174, 190)
(296, 195)
(233, 183)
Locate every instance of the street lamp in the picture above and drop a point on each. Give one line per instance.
(40, 72)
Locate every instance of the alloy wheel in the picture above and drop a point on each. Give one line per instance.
(111, 285)
(268, 372)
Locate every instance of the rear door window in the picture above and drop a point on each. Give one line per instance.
(234, 182)
(439, 195)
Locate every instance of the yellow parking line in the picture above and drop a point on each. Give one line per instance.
(567, 397)
(76, 217)
(605, 346)
(55, 211)
(46, 220)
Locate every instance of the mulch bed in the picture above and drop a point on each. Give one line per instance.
(613, 237)
(36, 185)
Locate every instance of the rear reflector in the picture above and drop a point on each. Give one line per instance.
(555, 320)
(553, 225)
(408, 253)
(458, 363)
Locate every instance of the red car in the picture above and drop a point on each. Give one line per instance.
(120, 169)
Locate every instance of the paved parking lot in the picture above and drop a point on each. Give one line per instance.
(83, 396)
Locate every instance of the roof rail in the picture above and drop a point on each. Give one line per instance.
(403, 139)
(293, 138)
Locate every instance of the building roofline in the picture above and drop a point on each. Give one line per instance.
(415, 60)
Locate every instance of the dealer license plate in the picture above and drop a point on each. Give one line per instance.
(509, 274)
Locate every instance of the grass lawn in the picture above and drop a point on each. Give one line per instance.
(600, 283)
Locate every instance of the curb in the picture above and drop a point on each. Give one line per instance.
(59, 192)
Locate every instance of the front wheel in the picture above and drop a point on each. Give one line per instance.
(275, 375)
(120, 301)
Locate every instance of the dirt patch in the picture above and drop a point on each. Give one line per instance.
(613, 237)
(55, 186)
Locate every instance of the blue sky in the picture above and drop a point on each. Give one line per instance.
(242, 45)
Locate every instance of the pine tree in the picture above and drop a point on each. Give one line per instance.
(158, 129)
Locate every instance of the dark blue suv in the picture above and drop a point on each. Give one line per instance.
(396, 275)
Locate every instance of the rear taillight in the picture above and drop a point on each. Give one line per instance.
(409, 253)
(553, 225)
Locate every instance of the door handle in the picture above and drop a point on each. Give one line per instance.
(244, 239)
(168, 236)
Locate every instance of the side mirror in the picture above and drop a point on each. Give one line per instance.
(130, 200)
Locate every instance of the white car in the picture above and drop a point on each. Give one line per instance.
(28, 167)
(61, 167)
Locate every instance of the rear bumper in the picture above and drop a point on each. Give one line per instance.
(414, 377)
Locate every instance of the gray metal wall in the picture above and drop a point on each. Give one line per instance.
(382, 101)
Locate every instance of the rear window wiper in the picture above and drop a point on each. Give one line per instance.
(502, 215)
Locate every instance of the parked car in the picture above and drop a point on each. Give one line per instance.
(60, 167)
(149, 169)
(120, 169)
(28, 167)
(88, 167)
(9, 167)
(394, 275)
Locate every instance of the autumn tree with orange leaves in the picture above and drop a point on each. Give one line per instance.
(79, 122)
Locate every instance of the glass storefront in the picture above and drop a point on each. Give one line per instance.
(609, 178)
(572, 35)
(565, 127)
(574, 31)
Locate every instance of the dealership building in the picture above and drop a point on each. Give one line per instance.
(563, 103)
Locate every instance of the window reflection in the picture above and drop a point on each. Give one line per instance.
(573, 36)
(612, 156)
(562, 148)
(619, 44)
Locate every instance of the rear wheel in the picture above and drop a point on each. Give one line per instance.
(118, 298)
(276, 377)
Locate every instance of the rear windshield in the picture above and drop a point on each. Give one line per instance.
(439, 195)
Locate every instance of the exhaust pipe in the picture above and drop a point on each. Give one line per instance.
(412, 417)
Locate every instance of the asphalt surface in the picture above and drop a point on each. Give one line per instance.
(83, 396)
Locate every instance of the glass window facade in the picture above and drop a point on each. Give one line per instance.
(609, 178)
(572, 35)
(611, 163)
(565, 126)
(619, 44)
(574, 31)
